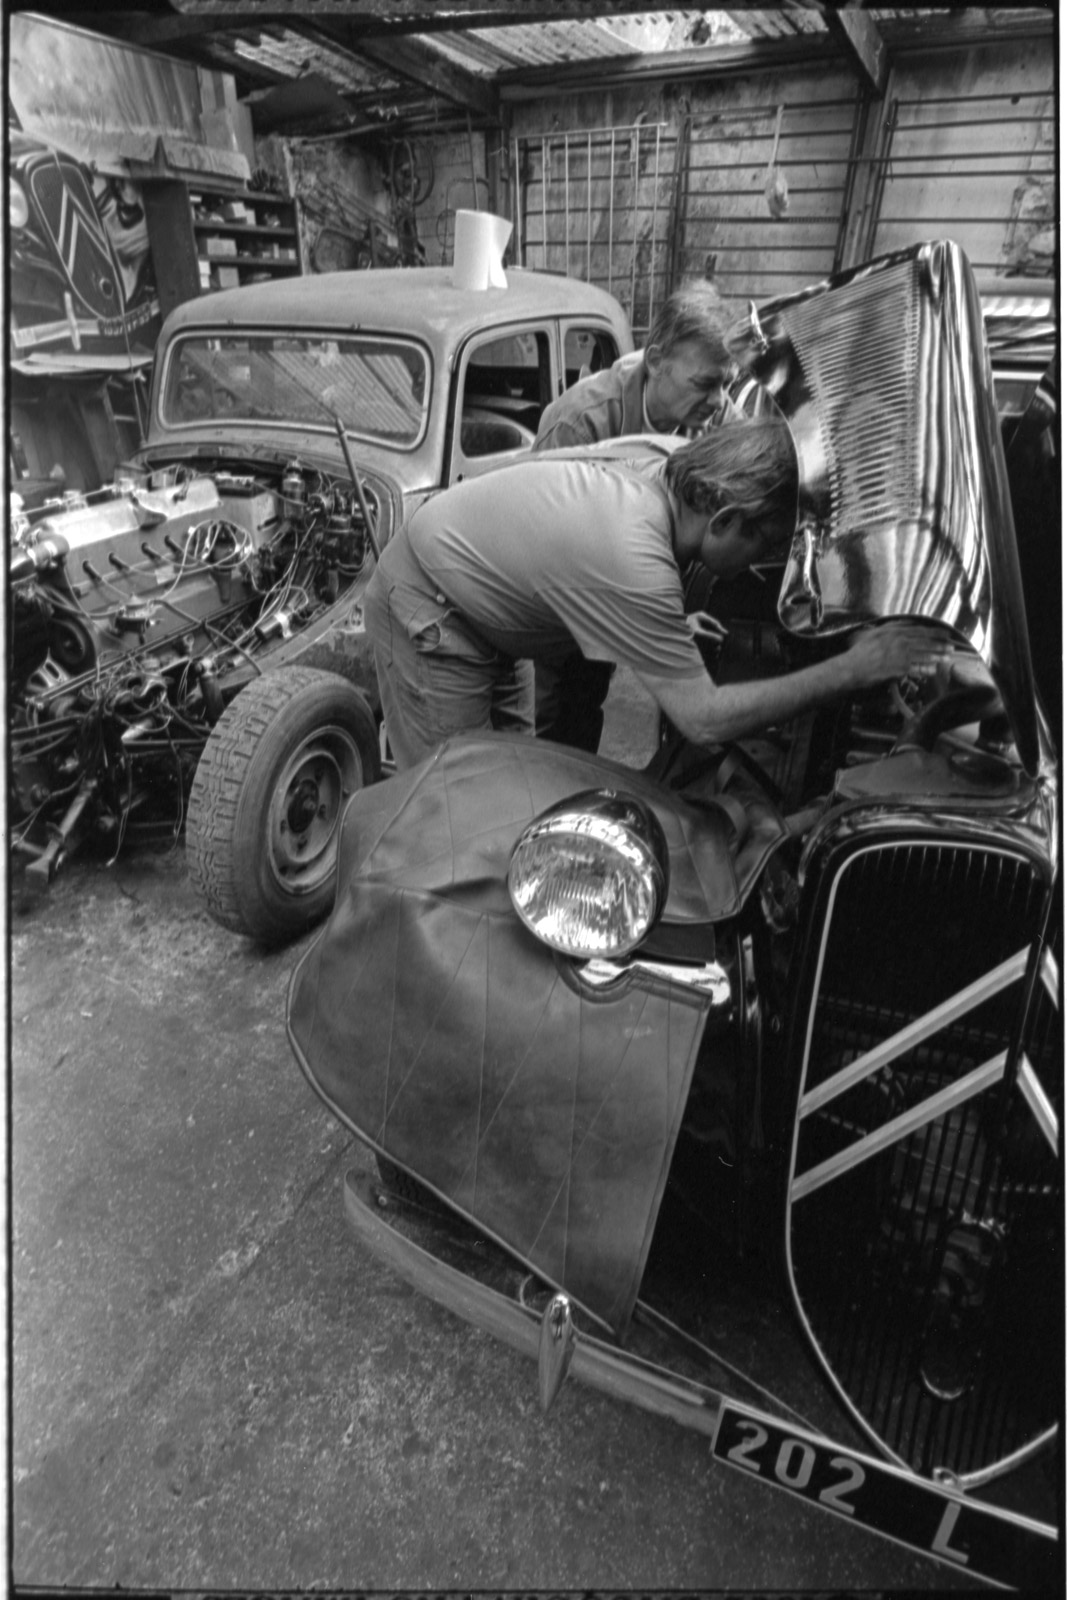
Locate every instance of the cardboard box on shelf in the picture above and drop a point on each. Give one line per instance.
(229, 277)
(215, 246)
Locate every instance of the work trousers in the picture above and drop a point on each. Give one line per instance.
(436, 675)
(569, 696)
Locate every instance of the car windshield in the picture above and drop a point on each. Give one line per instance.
(379, 387)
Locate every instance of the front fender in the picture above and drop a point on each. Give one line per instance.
(438, 1029)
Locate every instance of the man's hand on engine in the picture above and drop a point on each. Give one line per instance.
(897, 650)
(702, 625)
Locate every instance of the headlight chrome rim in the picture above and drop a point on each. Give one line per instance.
(589, 876)
(18, 206)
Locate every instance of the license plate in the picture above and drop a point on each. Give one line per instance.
(967, 1534)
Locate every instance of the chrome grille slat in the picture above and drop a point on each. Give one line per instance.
(935, 1232)
(864, 342)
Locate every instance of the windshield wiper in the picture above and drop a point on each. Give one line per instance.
(357, 483)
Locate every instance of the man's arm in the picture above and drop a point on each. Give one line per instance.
(710, 713)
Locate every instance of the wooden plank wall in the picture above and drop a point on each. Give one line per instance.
(693, 204)
(972, 156)
(459, 184)
(764, 194)
(641, 189)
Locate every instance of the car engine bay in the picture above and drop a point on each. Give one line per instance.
(140, 610)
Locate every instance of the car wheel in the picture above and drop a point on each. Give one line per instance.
(265, 809)
(358, 669)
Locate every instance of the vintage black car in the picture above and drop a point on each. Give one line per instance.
(807, 986)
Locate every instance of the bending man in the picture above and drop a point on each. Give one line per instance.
(558, 552)
(676, 384)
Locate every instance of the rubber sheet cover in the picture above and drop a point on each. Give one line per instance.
(437, 1028)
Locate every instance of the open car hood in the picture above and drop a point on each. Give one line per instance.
(884, 376)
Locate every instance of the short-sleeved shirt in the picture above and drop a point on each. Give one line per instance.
(553, 552)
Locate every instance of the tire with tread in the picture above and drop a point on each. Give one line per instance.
(266, 802)
(359, 670)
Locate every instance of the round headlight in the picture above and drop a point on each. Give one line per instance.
(589, 876)
(18, 207)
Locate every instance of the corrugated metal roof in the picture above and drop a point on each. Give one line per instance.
(328, 38)
(484, 52)
(494, 50)
(507, 49)
(291, 54)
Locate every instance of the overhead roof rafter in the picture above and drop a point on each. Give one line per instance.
(368, 19)
(418, 64)
(863, 42)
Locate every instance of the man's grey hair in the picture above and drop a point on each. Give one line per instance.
(696, 312)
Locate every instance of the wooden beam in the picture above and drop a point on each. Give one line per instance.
(152, 30)
(757, 55)
(410, 60)
(384, 19)
(863, 43)
(170, 35)
(389, 18)
(373, 18)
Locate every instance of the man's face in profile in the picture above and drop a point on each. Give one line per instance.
(684, 388)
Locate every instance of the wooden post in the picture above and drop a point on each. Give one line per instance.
(679, 205)
(870, 150)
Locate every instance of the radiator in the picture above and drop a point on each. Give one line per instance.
(925, 1197)
(884, 377)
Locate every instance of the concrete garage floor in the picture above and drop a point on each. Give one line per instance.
(214, 1387)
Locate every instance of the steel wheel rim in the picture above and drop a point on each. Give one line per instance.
(306, 808)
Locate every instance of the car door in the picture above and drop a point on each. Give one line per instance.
(504, 380)
(587, 347)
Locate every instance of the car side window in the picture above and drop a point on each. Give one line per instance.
(505, 383)
(585, 351)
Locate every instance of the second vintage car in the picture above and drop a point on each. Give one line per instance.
(170, 633)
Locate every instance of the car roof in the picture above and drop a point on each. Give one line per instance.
(423, 301)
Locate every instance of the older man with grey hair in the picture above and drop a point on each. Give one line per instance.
(676, 384)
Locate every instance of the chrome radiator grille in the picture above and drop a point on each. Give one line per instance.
(925, 1195)
(859, 349)
(904, 508)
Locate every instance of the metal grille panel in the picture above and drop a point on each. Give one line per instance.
(859, 349)
(596, 205)
(925, 1194)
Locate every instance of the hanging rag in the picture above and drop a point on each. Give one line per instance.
(776, 189)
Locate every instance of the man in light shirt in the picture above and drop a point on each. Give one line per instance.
(580, 551)
(676, 384)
